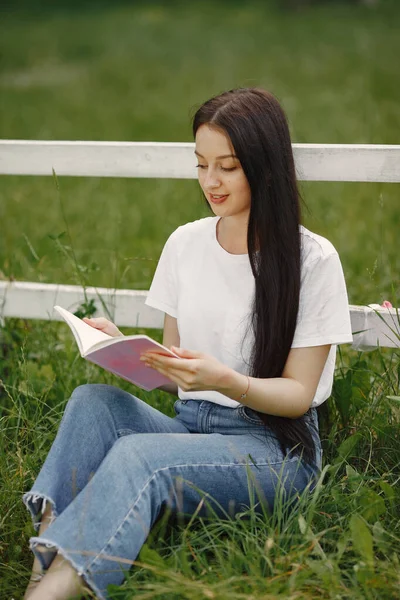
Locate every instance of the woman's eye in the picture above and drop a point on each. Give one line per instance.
(199, 166)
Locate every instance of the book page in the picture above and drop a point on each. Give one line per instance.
(86, 336)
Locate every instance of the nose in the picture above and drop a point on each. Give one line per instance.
(211, 181)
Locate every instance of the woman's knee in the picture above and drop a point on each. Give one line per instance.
(100, 399)
(89, 393)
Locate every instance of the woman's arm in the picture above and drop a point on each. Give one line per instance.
(170, 338)
(288, 396)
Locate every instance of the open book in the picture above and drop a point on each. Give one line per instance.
(119, 355)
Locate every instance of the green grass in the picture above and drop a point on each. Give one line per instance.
(344, 542)
(132, 71)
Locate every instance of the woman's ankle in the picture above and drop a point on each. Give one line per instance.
(34, 581)
(35, 578)
(47, 518)
(61, 582)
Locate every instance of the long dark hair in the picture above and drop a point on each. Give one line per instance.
(258, 130)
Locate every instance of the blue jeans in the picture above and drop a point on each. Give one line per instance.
(116, 463)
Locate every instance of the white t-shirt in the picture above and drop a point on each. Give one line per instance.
(210, 291)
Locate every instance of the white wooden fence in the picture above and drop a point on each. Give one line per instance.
(314, 162)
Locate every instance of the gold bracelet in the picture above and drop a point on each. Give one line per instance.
(243, 396)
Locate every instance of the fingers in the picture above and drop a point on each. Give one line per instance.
(160, 366)
(97, 322)
(156, 360)
(187, 353)
(176, 375)
(103, 325)
(180, 371)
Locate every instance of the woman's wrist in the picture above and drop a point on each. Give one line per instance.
(234, 385)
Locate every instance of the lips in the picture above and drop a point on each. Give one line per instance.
(218, 198)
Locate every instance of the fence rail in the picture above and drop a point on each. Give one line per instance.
(371, 326)
(314, 162)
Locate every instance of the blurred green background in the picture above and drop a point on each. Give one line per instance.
(134, 71)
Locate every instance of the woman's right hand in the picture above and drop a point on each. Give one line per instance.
(103, 325)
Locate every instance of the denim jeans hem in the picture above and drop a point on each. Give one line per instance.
(36, 504)
(54, 549)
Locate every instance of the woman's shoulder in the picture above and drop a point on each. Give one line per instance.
(315, 246)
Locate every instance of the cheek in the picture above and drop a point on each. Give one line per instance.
(243, 188)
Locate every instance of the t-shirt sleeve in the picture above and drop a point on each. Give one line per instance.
(163, 293)
(323, 316)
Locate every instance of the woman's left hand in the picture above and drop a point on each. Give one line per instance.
(194, 371)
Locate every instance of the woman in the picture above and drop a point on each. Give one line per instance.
(254, 306)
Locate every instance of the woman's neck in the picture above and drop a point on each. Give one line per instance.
(232, 234)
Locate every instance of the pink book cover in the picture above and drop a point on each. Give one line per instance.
(123, 360)
(119, 355)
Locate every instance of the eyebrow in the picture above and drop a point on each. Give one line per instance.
(218, 157)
